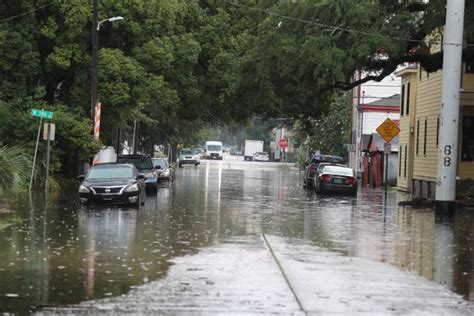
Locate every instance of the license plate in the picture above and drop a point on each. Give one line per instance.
(188, 157)
(337, 181)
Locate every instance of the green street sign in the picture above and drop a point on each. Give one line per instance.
(42, 113)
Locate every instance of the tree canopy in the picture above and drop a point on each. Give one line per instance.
(175, 65)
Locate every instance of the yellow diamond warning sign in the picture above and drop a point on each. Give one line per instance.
(388, 130)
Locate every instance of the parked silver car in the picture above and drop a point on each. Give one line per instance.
(188, 157)
(336, 179)
(165, 171)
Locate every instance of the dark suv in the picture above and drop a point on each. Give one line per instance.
(144, 165)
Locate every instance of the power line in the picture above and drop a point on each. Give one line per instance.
(336, 28)
(27, 12)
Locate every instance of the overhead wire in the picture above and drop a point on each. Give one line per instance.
(28, 12)
(336, 28)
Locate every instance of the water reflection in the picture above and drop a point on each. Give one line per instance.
(64, 255)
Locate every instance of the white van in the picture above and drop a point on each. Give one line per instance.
(213, 150)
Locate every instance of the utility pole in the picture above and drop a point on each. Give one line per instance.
(95, 57)
(449, 118)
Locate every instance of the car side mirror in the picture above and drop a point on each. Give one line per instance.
(81, 177)
(158, 167)
(140, 177)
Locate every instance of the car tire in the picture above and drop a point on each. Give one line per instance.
(320, 189)
(137, 203)
(180, 165)
(196, 164)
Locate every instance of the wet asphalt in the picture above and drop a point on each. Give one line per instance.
(238, 237)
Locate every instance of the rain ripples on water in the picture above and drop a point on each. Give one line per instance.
(65, 254)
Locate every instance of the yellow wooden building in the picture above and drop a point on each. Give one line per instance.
(420, 106)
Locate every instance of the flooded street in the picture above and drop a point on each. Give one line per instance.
(228, 218)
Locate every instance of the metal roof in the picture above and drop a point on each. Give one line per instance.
(394, 100)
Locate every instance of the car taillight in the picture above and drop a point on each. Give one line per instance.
(325, 178)
(351, 181)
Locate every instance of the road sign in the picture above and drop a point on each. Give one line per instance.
(282, 143)
(49, 131)
(388, 130)
(42, 113)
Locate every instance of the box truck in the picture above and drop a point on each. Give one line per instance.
(251, 147)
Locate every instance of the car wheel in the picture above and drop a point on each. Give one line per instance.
(180, 165)
(137, 203)
(320, 188)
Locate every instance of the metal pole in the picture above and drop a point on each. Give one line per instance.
(47, 161)
(134, 136)
(95, 57)
(36, 153)
(386, 175)
(449, 118)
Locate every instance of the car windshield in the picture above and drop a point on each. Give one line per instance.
(186, 152)
(338, 170)
(160, 162)
(214, 147)
(110, 173)
(142, 163)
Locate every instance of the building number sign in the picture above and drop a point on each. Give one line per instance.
(447, 158)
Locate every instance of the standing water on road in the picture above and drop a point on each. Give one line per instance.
(66, 254)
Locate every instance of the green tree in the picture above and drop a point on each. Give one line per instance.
(175, 66)
(329, 132)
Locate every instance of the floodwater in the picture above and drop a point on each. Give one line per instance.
(64, 254)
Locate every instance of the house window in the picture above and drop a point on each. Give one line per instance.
(400, 154)
(408, 99)
(417, 136)
(468, 138)
(405, 162)
(437, 132)
(424, 137)
(402, 100)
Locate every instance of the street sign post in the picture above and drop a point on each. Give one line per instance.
(388, 130)
(282, 143)
(42, 114)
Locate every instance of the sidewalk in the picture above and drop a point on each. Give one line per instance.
(245, 276)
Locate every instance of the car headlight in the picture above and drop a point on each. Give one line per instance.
(166, 173)
(150, 175)
(83, 189)
(132, 188)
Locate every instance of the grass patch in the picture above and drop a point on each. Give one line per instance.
(284, 167)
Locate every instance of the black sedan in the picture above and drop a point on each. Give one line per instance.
(336, 179)
(112, 184)
(145, 167)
